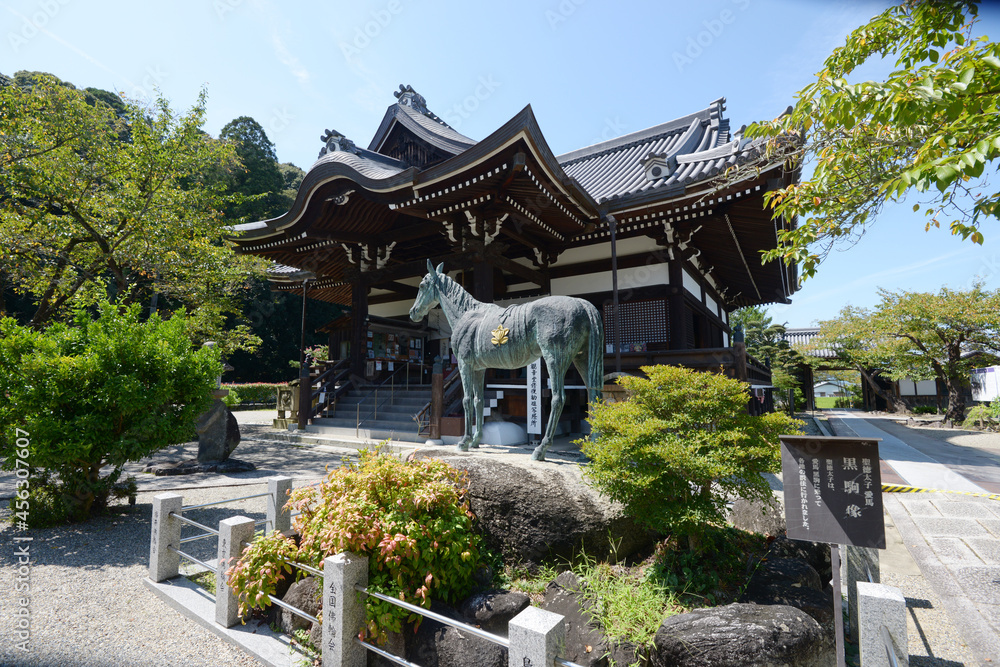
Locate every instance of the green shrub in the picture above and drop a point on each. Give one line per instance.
(983, 415)
(255, 392)
(232, 399)
(411, 519)
(924, 410)
(680, 446)
(97, 393)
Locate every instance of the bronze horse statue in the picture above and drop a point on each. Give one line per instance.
(559, 329)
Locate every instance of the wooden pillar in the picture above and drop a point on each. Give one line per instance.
(676, 316)
(359, 317)
(482, 282)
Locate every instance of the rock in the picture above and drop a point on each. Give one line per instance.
(585, 641)
(492, 610)
(305, 594)
(816, 554)
(218, 433)
(818, 604)
(767, 518)
(439, 645)
(742, 635)
(192, 466)
(793, 572)
(531, 511)
(629, 653)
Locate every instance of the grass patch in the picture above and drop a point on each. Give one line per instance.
(714, 574)
(204, 579)
(628, 605)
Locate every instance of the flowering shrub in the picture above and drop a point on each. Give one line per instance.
(259, 570)
(411, 519)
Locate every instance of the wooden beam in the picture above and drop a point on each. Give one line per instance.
(520, 270)
(408, 291)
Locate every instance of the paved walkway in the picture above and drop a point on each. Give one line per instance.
(954, 539)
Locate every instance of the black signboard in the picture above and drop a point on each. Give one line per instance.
(833, 490)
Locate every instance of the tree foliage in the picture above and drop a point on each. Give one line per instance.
(96, 393)
(680, 446)
(930, 127)
(765, 340)
(102, 198)
(920, 336)
(257, 180)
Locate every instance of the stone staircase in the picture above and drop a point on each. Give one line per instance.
(392, 418)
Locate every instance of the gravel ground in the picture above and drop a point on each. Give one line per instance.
(933, 640)
(89, 607)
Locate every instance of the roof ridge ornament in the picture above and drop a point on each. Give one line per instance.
(407, 97)
(335, 141)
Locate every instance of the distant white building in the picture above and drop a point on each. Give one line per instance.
(830, 389)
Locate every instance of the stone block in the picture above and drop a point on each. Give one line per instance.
(919, 507)
(166, 532)
(991, 526)
(343, 609)
(862, 565)
(881, 607)
(537, 637)
(964, 510)
(951, 527)
(279, 517)
(233, 532)
(986, 548)
(981, 584)
(953, 551)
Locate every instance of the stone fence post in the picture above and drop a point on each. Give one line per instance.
(881, 607)
(233, 532)
(277, 517)
(536, 638)
(343, 610)
(166, 532)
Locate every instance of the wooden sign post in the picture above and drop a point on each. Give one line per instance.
(833, 494)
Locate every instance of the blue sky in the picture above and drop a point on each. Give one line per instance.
(591, 70)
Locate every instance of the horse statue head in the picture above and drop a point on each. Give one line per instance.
(429, 293)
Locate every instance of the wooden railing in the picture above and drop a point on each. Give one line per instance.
(327, 386)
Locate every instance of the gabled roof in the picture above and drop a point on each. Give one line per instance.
(411, 112)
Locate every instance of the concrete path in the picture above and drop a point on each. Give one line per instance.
(954, 539)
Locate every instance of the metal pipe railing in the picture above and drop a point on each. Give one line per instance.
(890, 651)
(465, 627)
(294, 610)
(223, 502)
(197, 537)
(190, 522)
(193, 559)
(385, 654)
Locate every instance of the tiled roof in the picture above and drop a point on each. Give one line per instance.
(368, 164)
(427, 126)
(697, 146)
(801, 339)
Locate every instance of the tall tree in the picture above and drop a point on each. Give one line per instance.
(930, 126)
(765, 340)
(96, 198)
(920, 336)
(257, 180)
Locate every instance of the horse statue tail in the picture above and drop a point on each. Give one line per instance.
(595, 356)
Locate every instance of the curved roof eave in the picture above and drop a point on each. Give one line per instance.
(320, 174)
(523, 124)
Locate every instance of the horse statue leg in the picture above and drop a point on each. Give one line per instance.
(557, 376)
(479, 389)
(468, 404)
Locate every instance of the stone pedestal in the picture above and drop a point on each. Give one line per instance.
(862, 565)
(218, 431)
(881, 625)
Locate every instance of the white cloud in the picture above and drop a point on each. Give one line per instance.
(294, 65)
